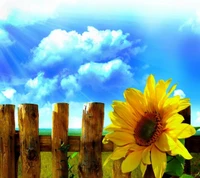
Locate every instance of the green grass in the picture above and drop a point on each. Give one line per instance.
(46, 161)
(46, 166)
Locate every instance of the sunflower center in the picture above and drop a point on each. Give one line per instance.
(148, 129)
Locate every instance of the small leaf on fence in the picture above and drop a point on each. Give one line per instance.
(186, 176)
(73, 154)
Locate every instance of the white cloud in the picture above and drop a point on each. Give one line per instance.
(40, 87)
(72, 49)
(45, 115)
(28, 12)
(4, 38)
(196, 120)
(112, 74)
(192, 24)
(70, 85)
(180, 93)
(9, 93)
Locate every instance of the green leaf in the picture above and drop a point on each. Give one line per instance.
(186, 176)
(73, 154)
(175, 165)
(197, 128)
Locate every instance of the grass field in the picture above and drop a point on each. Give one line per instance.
(46, 166)
(46, 159)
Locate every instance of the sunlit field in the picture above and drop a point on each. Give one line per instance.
(46, 166)
(46, 162)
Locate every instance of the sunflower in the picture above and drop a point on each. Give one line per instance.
(147, 127)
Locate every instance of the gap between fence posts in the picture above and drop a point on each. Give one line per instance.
(90, 157)
(29, 140)
(59, 136)
(7, 141)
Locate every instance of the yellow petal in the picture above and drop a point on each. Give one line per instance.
(116, 128)
(132, 161)
(150, 86)
(146, 159)
(160, 91)
(118, 121)
(122, 111)
(170, 107)
(181, 150)
(171, 90)
(183, 103)
(182, 131)
(173, 121)
(136, 100)
(165, 142)
(158, 162)
(120, 138)
(107, 160)
(120, 152)
(143, 168)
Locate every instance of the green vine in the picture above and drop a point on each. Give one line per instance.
(64, 148)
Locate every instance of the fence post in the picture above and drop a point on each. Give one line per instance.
(29, 140)
(59, 136)
(90, 159)
(186, 113)
(7, 141)
(116, 171)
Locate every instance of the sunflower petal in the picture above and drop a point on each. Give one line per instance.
(171, 90)
(107, 160)
(160, 91)
(136, 100)
(143, 168)
(182, 131)
(165, 142)
(183, 103)
(181, 150)
(122, 113)
(120, 152)
(120, 138)
(150, 86)
(174, 120)
(116, 128)
(132, 161)
(158, 162)
(146, 158)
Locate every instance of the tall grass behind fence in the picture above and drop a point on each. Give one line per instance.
(28, 143)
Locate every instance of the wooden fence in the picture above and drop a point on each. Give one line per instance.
(28, 143)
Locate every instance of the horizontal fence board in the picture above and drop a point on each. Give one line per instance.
(74, 141)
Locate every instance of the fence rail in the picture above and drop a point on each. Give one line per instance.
(28, 143)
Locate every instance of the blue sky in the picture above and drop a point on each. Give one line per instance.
(80, 51)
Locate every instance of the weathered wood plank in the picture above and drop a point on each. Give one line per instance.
(90, 157)
(59, 136)
(29, 140)
(7, 141)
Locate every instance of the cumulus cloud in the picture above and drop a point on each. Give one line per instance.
(70, 85)
(40, 87)
(4, 38)
(192, 24)
(180, 93)
(112, 74)
(24, 12)
(72, 49)
(9, 93)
